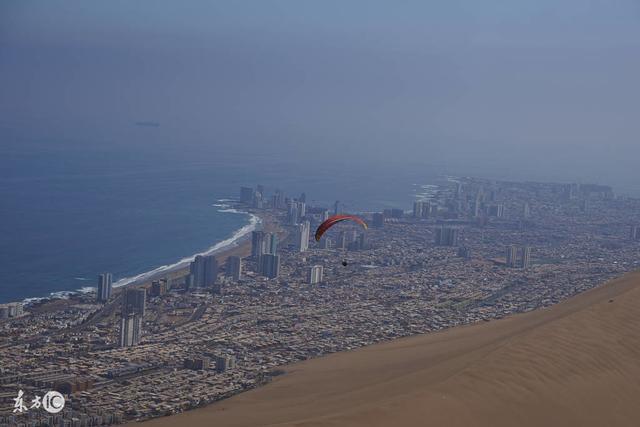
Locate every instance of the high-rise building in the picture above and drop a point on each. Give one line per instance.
(464, 252)
(584, 206)
(447, 236)
(277, 201)
(130, 330)
(234, 268)
(342, 240)
(477, 208)
(315, 275)
(271, 243)
(336, 207)
(197, 364)
(571, 191)
(105, 287)
(158, 288)
(204, 269)
(225, 362)
(635, 232)
(439, 236)
(270, 265)
(429, 210)
(458, 190)
(302, 210)
(418, 207)
(188, 282)
(358, 243)
(525, 262)
(496, 210)
(511, 256)
(12, 309)
(246, 195)
(526, 210)
(378, 220)
(362, 241)
(325, 215)
(293, 214)
(257, 244)
(210, 270)
(302, 236)
(325, 243)
(257, 201)
(397, 213)
(134, 301)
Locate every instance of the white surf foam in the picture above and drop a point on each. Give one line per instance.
(231, 241)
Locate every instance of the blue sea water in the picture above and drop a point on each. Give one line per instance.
(71, 210)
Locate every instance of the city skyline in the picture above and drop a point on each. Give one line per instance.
(435, 267)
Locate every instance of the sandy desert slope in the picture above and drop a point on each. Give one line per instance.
(574, 364)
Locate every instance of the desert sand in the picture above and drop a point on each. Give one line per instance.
(574, 364)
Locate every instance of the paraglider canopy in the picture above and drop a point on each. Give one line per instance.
(329, 222)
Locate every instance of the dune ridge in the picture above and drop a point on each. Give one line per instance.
(576, 363)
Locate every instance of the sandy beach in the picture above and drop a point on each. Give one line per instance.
(242, 248)
(575, 363)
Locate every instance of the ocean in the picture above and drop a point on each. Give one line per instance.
(72, 210)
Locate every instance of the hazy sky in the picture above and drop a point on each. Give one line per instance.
(539, 89)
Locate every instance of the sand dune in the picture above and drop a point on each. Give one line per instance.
(574, 364)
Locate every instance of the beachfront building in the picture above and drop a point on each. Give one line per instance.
(105, 287)
(234, 268)
(159, 288)
(13, 309)
(204, 270)
(246, 195)
(271, 244)
(257, 244)
(134, 301)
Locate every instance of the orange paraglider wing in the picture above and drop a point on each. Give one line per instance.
(329, 222)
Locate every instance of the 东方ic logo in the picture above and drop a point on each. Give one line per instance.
(52, 402)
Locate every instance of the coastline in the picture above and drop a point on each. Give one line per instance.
(238, 244)
(223, 249)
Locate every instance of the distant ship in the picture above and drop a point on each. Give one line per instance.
(148, 124)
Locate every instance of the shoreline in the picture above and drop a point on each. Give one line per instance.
(220, 249)
(235, 245)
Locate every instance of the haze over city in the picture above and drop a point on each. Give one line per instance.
(330, 213)
(497, 88)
